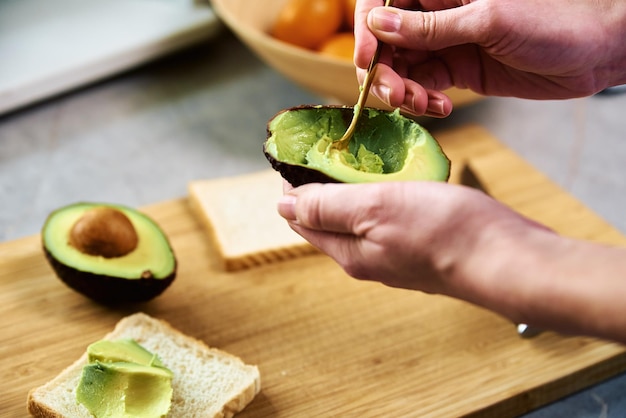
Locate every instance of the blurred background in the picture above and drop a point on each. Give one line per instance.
(127, 101)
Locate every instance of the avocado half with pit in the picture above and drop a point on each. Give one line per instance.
(110, 253)
(385, 146)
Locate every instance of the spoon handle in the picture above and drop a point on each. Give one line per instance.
(342, 143)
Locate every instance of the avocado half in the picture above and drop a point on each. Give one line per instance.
(109, 253)
(386, 146)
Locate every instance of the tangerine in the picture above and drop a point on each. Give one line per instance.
(340, 45)
(308, 23)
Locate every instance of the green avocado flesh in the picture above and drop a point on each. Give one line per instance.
(136, 276)
(118, 383)
(386, 146)
(123, 350)
(153, 253)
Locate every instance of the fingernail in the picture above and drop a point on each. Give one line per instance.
(287, 207)
(382, 92)
(385, 20)
(436, 107)
(408, 105)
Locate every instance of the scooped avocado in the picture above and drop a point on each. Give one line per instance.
(386, 146)
(125, 390)
(122, 379)
(110, 253)
(122, 350)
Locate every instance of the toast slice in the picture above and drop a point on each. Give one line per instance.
(241, 216)
(207, 382)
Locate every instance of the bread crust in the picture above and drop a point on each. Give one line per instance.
(241, 241)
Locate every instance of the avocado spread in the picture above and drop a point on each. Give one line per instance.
(123, 379)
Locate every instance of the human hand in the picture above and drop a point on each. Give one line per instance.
(456, 241)
(531, 49)
(414, 235)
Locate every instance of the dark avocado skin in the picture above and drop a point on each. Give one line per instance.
(298, 175)
(109, 290)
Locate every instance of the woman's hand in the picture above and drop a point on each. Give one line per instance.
(453, 240)
(414, 235)
(531, 49)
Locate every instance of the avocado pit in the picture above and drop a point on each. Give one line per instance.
(104, 231)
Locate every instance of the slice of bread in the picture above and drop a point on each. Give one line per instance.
(240, 214)
(207, 382)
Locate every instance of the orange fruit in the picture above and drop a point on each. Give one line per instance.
(340, 45)
(308, 23)
(348, 11)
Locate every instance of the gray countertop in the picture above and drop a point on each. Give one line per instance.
(140, 137)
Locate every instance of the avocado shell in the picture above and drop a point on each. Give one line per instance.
(109, 290)
(104, 288)
(297, 175)
(434, 164)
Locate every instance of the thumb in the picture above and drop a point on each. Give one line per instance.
(324, 207)
(432, 30)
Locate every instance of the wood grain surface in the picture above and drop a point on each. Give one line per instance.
(327, 345)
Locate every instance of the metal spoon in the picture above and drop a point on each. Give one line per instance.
(342, 143)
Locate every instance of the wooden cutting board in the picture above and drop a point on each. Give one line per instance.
(327, 345)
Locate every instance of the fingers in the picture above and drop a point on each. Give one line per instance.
(439, 105)
(433, 30)
(323, 207)
(402, 84)
(389, 87)
(364, 40)
(343, 248)
(415, 86)
(408, 95)
(323, 216)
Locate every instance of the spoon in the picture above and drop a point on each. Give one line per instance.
(342, 143)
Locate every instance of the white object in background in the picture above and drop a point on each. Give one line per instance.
(48, 47)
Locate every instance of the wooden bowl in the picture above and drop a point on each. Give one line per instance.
(331, 78)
